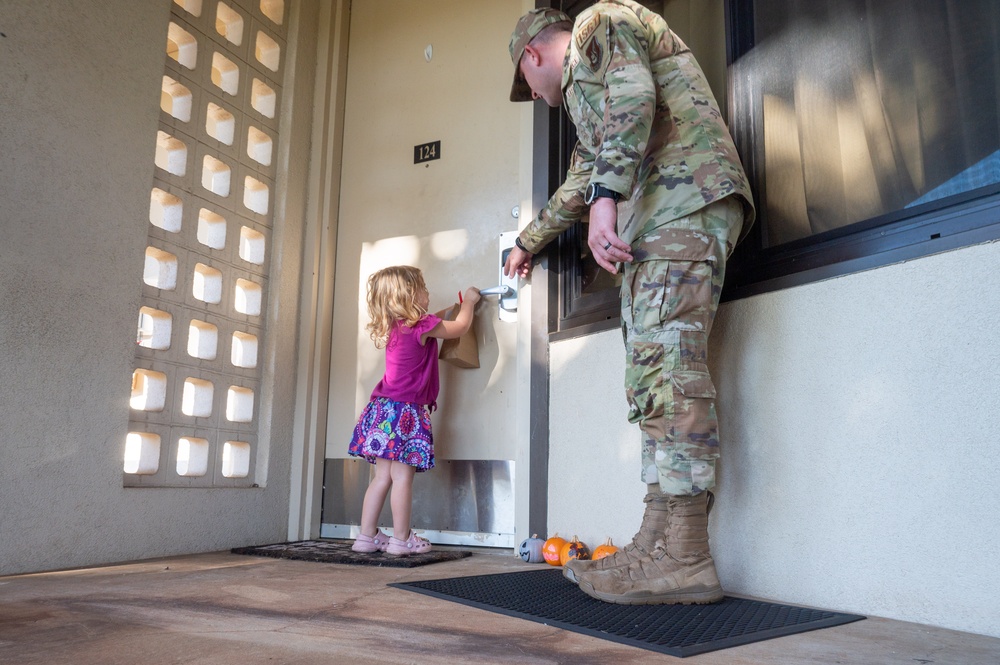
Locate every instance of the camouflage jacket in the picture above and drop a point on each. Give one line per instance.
(648, 127)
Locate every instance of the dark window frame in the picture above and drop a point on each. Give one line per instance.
(578, 313)
(946, 224)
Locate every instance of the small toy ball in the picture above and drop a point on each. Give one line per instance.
(573, 549)
(531, 549)
(601, 551)
(551, 548)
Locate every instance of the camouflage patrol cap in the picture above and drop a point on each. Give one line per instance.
(528, 26)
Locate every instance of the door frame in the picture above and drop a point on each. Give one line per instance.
(318, 268)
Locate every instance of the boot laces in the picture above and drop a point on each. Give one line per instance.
(659, 550)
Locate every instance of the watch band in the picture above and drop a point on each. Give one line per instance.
(520, 245)
(595, 191)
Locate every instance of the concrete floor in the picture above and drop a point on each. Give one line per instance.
(222, 608)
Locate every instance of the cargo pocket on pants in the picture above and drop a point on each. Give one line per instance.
(695, 424)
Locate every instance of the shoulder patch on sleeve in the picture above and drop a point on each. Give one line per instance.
(592, 42)
(586, 30)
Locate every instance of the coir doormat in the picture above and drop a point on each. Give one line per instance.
(545, 596)
(328, 551)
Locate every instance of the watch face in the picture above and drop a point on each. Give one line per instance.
(589, 197)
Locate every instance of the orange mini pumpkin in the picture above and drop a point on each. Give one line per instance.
(574, 549)
(601, 551)
(551, 549)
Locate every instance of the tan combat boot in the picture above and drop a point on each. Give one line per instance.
(654, 523)
(680, 569)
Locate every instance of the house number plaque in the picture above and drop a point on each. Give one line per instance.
(426, 152)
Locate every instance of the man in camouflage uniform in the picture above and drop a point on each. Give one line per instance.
(657, 171)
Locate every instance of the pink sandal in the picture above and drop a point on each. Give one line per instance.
(377, 543)
(412, 545)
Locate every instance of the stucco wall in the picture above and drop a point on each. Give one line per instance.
(859, 426)
(79, 93)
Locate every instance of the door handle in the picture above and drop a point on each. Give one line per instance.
(507, 290)
(502, 291)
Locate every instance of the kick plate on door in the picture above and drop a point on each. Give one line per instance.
(458, 502)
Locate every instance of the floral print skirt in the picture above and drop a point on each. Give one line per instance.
(398, 431)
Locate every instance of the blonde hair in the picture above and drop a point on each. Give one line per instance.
(392, 295)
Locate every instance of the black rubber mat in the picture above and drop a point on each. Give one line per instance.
(328, 551)
(545, 596)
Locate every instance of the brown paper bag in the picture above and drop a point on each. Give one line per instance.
(461, 352)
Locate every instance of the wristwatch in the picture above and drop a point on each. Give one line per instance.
(595, 191)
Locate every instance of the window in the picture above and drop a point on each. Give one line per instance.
(588, 295)
(870, 132)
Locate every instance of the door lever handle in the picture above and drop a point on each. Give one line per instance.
(503, 291)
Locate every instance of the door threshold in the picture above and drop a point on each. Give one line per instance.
(468, 539)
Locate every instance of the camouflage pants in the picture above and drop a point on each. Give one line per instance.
(670, 294)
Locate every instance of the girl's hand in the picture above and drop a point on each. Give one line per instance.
(471, 296)
(462, 322)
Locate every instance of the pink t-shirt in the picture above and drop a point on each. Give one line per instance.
(411, 369)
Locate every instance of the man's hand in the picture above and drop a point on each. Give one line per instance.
(605, 245)
(518, 262)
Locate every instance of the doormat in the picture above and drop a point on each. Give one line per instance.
(328, 551)
(545, 596)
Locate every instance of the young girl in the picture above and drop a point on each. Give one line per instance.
(394, 430)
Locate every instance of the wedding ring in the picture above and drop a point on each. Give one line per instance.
(606, 246)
